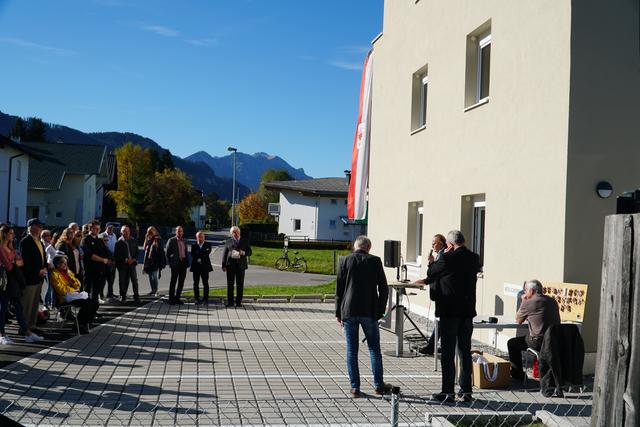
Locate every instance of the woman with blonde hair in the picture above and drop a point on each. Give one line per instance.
(11, 263)
(149, 237)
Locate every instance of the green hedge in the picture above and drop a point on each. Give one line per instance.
(294, 244)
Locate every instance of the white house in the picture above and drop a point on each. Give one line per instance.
(315, 209)
(14, 171)
(198, 213)
(66, 187)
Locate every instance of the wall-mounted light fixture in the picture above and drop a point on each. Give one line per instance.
(604, 190)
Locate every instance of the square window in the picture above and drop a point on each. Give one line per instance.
(297, 225)
(334, 202)
(332, 224)
(478, 66)
(472, 222)
(419, 95)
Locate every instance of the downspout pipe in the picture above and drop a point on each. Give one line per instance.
(11, 159)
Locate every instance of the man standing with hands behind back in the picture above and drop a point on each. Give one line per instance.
(126, 252)
(455, 274)
(361, 298)
(200, 267)
(34, 271)
(234, 263)
(178, 262)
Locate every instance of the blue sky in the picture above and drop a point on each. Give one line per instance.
(280, 76)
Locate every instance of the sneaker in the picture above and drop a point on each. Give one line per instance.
(33, 338)
(5, 340)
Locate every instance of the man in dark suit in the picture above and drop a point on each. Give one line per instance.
(454, 276)
(125, 257)
(201, 267)
(34, 271)
(97, 259)
(234, 263)
(361, 298)
(178, 262)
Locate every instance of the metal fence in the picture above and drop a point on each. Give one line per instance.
(488, 408)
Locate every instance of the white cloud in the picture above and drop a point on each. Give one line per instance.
(41, 47)
(351, 66)
(161, 30)
(203, 42)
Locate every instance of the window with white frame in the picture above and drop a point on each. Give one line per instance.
(297, 225)
(419, 96)
(478, 66)
(478, 229)
(414, 232)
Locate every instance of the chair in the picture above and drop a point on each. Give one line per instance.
(63, 311)
(529, 355)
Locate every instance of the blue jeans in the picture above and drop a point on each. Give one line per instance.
(351, 333)
(153, 280)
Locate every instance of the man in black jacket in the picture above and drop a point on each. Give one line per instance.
(234, 263)
(454, 275)
(96, 260)
(34, 271)
(178, 263)
(361, 298)
(200, 267)
(125, 257)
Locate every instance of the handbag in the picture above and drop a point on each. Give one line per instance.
(3, 280)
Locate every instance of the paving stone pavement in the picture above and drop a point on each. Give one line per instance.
(275, 364)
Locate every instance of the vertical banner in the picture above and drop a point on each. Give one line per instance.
(357, 199)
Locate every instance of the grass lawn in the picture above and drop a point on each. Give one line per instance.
(327, 288)
(318, 260)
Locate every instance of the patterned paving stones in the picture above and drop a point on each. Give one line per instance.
(275, 364)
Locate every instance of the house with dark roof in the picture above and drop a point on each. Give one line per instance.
(68, 186)
(14, 168)
(315, 209)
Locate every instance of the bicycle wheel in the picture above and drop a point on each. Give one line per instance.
(300, 266)
(282, 263)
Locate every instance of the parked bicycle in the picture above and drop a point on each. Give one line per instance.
(298, 264)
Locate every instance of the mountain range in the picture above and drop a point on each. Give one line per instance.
(209, 174)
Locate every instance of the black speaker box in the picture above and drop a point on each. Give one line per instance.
(392, 253)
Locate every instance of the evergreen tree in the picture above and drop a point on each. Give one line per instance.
(19, 130)
(36, 130)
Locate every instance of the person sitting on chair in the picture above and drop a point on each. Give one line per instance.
(541, 311)
(66, 285)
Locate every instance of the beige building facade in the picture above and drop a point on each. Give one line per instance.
(499, 118)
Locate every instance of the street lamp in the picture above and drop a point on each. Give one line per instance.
(233, 194)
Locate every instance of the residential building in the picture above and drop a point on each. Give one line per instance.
(198, 213)
(68, 187)
(315, 209)
(500, 118)
(14, 171)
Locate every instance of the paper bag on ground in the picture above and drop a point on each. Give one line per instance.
(491, 372)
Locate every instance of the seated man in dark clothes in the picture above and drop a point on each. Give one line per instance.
(541, 311)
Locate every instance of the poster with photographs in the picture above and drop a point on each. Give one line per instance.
(571, 299)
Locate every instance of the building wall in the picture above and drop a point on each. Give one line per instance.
(512, 150)
(19, 180)
(604, 135)
(74, 202)
(315, 214)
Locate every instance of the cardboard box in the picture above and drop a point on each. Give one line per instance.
(503, 378)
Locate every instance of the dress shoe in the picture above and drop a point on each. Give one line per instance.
(428, 350)
(517, 374)
(465, 397)
(238, 304)
(355, 393)
(443, 397)
(386, 388)
(228, 305)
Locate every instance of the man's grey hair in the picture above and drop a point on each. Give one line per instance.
(234, 228)
(535, 285)
(455, 237)
(362, 243)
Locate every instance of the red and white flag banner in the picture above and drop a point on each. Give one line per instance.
(357, 199)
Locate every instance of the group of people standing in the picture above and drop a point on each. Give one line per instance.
(74, 266)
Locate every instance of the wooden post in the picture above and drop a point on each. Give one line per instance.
(616, 393)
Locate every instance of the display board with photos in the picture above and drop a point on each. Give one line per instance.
(571, 299)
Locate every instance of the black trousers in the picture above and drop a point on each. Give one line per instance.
(94, 284)
(178, 274)
(126, 274)
(235, 274)
(516, 346)
(111, 278)
(456, 332)
(88, 309)
(204, 276)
